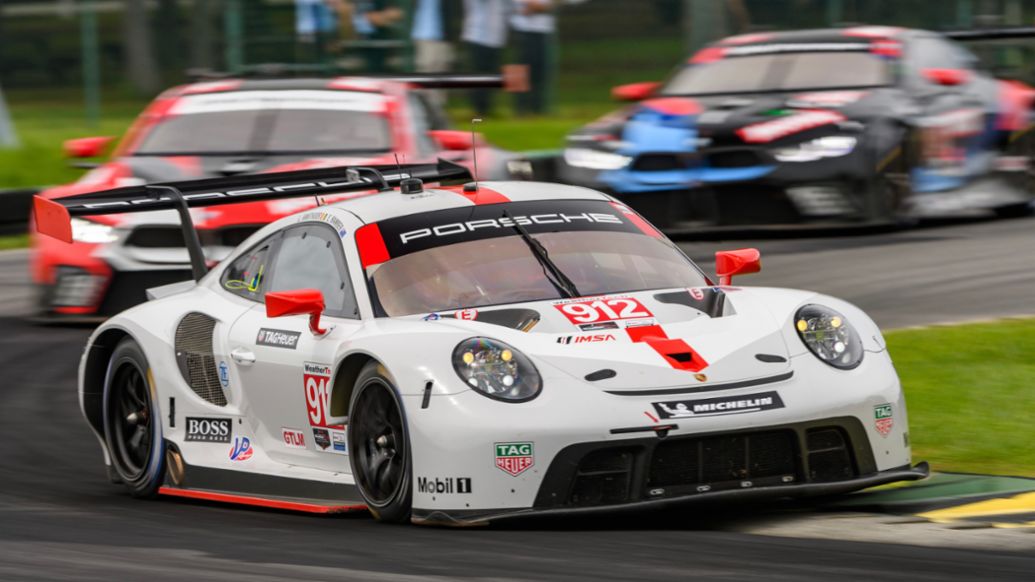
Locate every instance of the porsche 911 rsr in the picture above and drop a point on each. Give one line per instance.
(859, 125)
(229, 127)
(464, 355)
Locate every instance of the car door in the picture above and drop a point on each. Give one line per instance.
(285, 369)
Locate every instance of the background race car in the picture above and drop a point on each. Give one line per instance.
(869, 124)
(227, 127)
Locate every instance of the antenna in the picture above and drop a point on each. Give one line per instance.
(473, 186)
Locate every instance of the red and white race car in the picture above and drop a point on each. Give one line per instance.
(230, 127)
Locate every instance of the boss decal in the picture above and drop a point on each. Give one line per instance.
(444, 485)
(316, 381)
(278, 338)
(208, 430)
(719, 406)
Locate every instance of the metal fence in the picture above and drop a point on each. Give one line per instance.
(148, 44)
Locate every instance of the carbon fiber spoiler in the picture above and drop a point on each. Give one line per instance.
(53, 217)
(991, 33)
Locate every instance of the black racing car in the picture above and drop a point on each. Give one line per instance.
(859, 125)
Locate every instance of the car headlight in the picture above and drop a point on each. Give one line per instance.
(92, 232)
(595, 159)
(496, 370)
(829, 336)
(831, 146)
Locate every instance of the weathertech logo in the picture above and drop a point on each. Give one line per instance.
(277, 338)
(444, 486)
(509, 222)
(718, 406)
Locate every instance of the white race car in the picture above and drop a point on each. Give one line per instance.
(462, 355)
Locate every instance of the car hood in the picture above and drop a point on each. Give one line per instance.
(692, 337)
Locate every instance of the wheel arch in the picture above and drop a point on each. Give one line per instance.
(348, 370)
(95, 367)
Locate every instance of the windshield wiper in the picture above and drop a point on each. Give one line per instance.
(554, 275)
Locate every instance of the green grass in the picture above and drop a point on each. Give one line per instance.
(970, 390)
(15, 241)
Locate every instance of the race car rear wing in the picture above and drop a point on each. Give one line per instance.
(512, 78)
(992, 33)
(54, 216)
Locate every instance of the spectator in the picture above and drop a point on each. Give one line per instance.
(373, 20)
(534, 24)
(315, 23)
(485, 33)
(435, 27)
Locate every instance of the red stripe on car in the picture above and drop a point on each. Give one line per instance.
(480, 196)
(637, 220)
(371, 245)
(676, 352)
(259, 501)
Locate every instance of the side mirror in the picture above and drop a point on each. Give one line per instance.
(946, 77)
(87, 147)
(455, 140)
(297, 302)
(738, 262)
(635, 91)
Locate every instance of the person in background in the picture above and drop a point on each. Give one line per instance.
(534, 24)
(374, 20)
(435, 27)
(315, 25)
(485, 34)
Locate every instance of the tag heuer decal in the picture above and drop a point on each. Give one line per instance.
(278, 338)
(515, 458)
(883, 418)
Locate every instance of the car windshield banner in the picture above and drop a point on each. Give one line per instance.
(418, 232)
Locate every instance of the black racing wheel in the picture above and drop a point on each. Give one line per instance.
(379, 448)
(132, 421)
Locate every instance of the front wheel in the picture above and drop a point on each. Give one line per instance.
(379, 448)
(132, 421)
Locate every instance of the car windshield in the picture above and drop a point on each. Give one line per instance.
(781, 72)
(498, 267)
(271, 122)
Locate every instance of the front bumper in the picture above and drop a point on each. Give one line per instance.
(816, 458)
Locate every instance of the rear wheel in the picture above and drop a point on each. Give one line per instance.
(132, 424)
(379, 448)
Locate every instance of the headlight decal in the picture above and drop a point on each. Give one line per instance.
(496, 370)
(829, 336)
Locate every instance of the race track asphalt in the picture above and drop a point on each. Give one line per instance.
(61, 519)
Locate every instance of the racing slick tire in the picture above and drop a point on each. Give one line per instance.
(132, 421)
(379, 445)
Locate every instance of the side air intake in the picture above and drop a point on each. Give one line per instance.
(194, 357)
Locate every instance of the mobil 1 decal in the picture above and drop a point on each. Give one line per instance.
(316, 381)
(719, 406)
(418, 232)
(586, 312)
